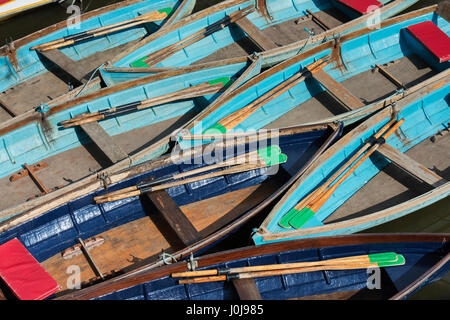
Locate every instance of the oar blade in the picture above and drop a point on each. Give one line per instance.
(300, 219)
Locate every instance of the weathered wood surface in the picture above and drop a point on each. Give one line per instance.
(66, 64)
(246, 289)
(411, 166)
(338, 91)
(259, 38)
(174, 216)
(106, 144)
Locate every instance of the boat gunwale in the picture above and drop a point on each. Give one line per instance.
(126, 281)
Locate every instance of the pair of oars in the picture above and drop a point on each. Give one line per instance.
(376, 260)
(94, 33)
(258, 159)
(235, 118)
(308, 207)
(201, 89)
(164, 53)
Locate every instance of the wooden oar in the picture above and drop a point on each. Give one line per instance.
(69, 40)
(257, 274)
(367, 258)
(284, 221)
(310, 209)
(232, 120)
(241, 159)
(187, 93)
(265, 157)
(168, 51)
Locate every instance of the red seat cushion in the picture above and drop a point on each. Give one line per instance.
(362, 6)
(23, 274)
(433, 38)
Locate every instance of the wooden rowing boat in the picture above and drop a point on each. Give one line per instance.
(31, 77)
(72, 153)
(178, 218)
(420, 251)
(421, 77)
(406, 173)
(10, 8)
(281, 29)
(363, 75)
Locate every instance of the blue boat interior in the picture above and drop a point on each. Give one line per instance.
(353, 69)
(49, 234)
(281, 17)
(26, 63)
(334, 284)
(424, 118)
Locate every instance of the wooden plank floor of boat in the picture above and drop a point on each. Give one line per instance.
(410, 70)
(391, 186)
(143, 239)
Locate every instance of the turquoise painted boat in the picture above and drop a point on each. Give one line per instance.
(175, 97)
(407, 172)
(237, 95)
(27, 73)
(366, 72)
(280, 28)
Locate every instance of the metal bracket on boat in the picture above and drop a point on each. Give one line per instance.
(43, 108)
(192, 264)
(104, 178)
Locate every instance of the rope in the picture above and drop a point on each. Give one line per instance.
(311, 34)
(92, 75)
(165, 255)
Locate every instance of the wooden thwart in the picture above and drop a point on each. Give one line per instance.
(339, 92)
(5, 107)
(246, 289)
(179, 223)
(257, 37)
(66, 64)
(412, 167)
(390, 77)
(106, 144)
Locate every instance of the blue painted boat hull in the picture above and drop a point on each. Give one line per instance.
(424, 117)
(420, 255)
(49, 233)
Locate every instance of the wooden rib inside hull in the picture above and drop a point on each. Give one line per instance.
(143, 240)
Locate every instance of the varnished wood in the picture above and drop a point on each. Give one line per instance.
(105, 143)
(411, 166)
(174, 216)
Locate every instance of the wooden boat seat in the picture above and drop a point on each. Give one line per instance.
(432, 38)
(21, 272)
(257, 37)
(246, 289)
(72, 68)
(104, 142)
(409, 165)
(173, 215)
(361, 6)
(339, 92)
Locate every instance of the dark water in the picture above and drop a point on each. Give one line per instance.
(435, 218)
